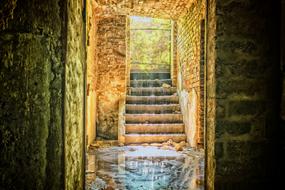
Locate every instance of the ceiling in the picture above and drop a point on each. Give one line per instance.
(171, 9)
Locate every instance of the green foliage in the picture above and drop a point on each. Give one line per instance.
(150, 40)
(149, 23)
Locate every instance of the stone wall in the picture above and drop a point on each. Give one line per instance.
(92, 70)
(74, 97)
(111, 85)
(246, 67)
(150, 8)
(31, 94)
(6, 12)
(212, 109)
(191, 71)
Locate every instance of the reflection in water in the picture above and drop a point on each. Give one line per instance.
(144, 168)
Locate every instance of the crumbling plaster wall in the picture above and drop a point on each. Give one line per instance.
(93, 11)
(111, 83)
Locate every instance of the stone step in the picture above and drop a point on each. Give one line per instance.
(151, 91)
(152, 100)
(150, 76)
(153, 118)
(150, 67)
(152, 108)
(155, 128)
(153, 138)
(150, 83)
(155, 70)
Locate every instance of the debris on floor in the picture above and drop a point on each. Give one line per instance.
(156, 166)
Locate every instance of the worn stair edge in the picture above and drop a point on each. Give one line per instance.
(155, 70)
(172, 89)
(151, 91)
(150, 83)
(152, 99)
(153, 118)
(148, 75)
(155, 128)
(152, 108)
(153, 138)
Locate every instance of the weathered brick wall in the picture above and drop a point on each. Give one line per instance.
(190, 71)
(174, 62)
(111, 85)
(247, 64)
(31, 92)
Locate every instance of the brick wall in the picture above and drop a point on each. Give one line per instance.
(174, 62)
(191, 71)
(111, 84)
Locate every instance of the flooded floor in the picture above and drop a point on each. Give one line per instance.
(144, 168)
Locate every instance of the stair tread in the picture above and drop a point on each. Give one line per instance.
(140, 100)
(146, 72)
(150, 75)
(154, 118)
(157, 97)
(154, 128)
(153, 138)
(151, 91)
(153, 114)
(152, 108)
(153, 88)
(150, 80)
(152, 134)
(150, 83)
(136, 70)
(153, 105)
(153, 124)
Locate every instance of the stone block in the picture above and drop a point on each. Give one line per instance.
(234, 128)
(246, 107)
(240, 87)
(219, 150)
(244, 151)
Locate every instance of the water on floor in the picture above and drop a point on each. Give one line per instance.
(144, 168)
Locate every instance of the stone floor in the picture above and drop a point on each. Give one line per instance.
(144, 168)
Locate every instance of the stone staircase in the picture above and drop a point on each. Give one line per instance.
(152, 109)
